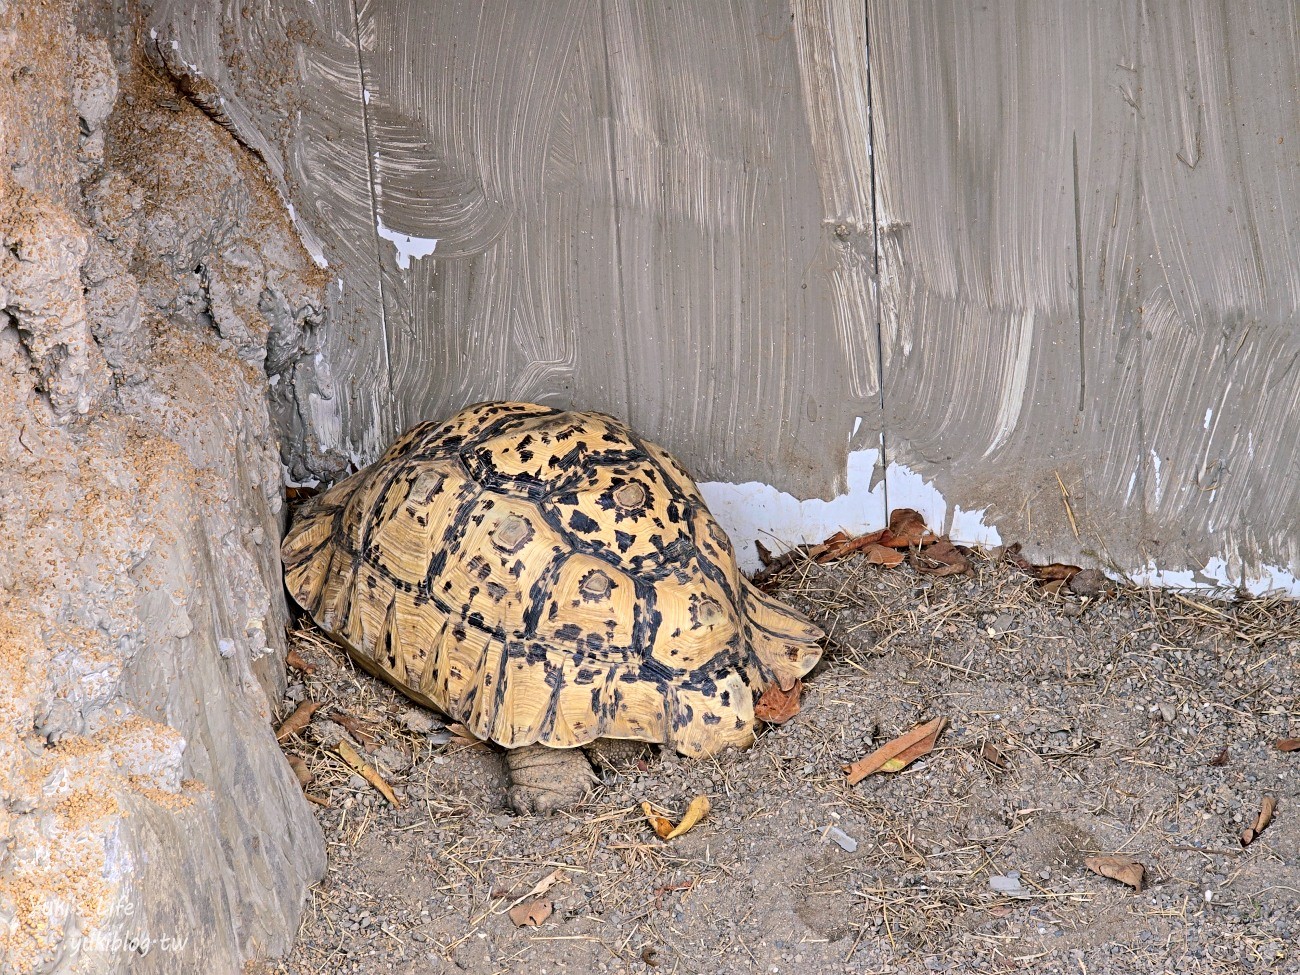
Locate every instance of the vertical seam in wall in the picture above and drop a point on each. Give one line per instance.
(614, 206)
(1078, 271)
(875, 252)
(374, 215)
(1136, 300)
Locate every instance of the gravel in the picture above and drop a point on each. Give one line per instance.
(1079, 725)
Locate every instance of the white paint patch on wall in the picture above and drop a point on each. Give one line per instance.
(754, 511)
(1258, 580)
(408, 247)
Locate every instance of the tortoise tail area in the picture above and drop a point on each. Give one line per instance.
(784, 644)
(310, 552)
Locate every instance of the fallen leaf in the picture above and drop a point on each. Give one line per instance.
(1012, 554)
(899, 753)
(294, 660)
(989, 753)
(832, 548)
(300, 718)
(840, 545)
(300, 770)
(1124, 869)
(1053, 587)
(650, 957)
(556, 876)
(362, 731)
(358, 764)
(860, 542)
(877, 554)
(661, 826)
(1055, 571)
(764, 553)
(531, 913)
(1287, 744)
(906, 529)
(697, 810)
(1219, 760)
(1266, 810)
(942, 558)
(776, 706)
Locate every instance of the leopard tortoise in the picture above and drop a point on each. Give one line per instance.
(546, 578)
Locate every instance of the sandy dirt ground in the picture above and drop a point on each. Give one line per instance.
(1127, 722)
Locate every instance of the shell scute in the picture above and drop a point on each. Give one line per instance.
(545, 576)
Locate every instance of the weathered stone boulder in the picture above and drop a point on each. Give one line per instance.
(148, 820)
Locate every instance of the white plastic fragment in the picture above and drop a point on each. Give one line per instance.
(842, 839)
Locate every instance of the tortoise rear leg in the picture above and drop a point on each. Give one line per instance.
(544, 780)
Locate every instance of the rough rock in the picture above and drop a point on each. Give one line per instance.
(148, 820)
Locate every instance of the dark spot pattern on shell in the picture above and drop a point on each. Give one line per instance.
(557, 503)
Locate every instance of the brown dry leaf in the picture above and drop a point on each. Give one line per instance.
(1124, 869)
(906, 529)
(1053, 587)
(1287, 744)
(899, 753)
(835, 547)
(1266, 810)
(877, 554)
(661, 826)
(777, 706)
(942, 558)
(531, 913)
(697, 810)
(866, 541)
(989, 753)
(1055, 571)
(294, 660)
(300, 770)
(764, 553)
(300, 718)
(1012, 554)
(1219, 760)
(363, 731)
(358, 764)
(556, 876)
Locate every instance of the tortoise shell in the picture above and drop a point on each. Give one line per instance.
(545, 576)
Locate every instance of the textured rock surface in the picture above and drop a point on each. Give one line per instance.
(148, 821)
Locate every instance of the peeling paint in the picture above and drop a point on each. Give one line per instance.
(754, 511)
(407, 246)
(1218, 575)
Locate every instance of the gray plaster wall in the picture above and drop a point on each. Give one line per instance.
(1090, 240)
(1066, 298)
